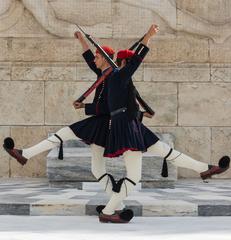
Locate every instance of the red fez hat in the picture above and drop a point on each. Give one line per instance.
(107, 49)
(123, 54)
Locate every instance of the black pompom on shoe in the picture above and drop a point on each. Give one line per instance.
(99, 208)
(223, 165)
(224, 162)
(8, 143)
(126, 215)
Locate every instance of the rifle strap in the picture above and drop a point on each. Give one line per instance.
(97, 82)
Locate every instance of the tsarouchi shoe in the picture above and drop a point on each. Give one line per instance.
(123, 217)
(15, 153)
(223, 165)
(101, 207)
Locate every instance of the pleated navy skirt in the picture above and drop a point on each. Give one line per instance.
(149, 137)
(126, 134)
(92, 130)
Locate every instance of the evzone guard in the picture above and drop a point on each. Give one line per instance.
(129, 137)
(116, 130)
(92, 130)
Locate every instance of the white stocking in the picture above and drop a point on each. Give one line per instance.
(98, 168)
(64, 133)
(133, 164)
(178, 159)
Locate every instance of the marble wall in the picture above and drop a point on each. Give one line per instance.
(186, 76)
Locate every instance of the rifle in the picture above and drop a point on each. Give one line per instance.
(102, 52)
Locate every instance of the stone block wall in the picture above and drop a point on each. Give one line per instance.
(186, 76)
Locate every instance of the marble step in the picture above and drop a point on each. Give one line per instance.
(76, 168)
(189, 198)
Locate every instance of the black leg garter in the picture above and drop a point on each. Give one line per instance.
(116, 186)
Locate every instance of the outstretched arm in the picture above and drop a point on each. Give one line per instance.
(82, 41)
(151, 32)
(127, 71)
(87, 53)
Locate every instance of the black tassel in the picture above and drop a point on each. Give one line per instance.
(164, 172)
(60, 157)
(61, 151)
(117, 187)
(113, 182)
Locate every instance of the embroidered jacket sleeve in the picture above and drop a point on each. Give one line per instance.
(89, 58)
(126, 72)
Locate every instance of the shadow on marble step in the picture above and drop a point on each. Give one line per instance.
(75, 168)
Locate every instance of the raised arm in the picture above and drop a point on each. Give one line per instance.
(151, 32)
(87, 53)
(127, 71)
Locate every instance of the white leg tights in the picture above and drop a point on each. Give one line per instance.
(64, 133)
(133, 164)
(178, 159)
(98, 168)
